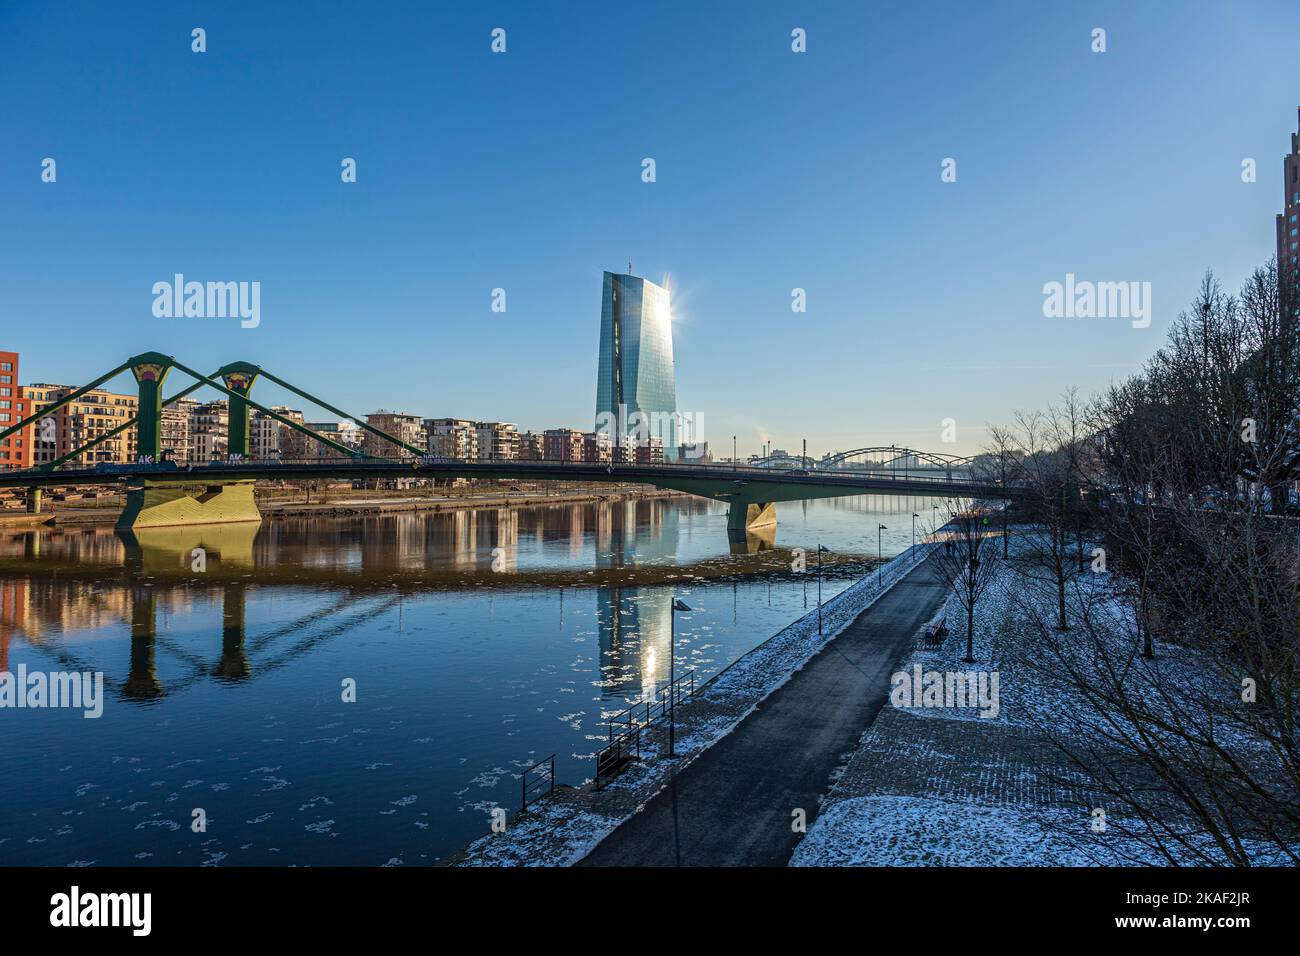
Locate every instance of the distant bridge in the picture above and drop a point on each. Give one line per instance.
(156, 494)
(875, 459)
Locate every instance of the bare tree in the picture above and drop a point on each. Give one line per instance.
(1197, 748)
(963, 561)
(1192, 460)
(1048, 483)
(994, 466)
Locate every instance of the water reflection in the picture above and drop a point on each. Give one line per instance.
(226, 680)
(57, 581)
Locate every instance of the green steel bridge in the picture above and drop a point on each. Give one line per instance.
(161, 493)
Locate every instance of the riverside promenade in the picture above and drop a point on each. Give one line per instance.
(735, 805)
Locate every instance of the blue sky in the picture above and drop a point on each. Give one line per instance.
(522, 171)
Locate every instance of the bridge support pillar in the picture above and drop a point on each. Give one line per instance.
(239, 377)
(750, 514)
(149, 369)
(165, 505)
(33, 501)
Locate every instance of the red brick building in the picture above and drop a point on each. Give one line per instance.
(1288, 223)
(16, 450)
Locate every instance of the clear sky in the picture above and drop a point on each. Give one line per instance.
(522, 171)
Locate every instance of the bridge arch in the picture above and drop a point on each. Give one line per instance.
(890, 457)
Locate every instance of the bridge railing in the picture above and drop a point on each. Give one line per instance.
(537, 781)
(432, 465)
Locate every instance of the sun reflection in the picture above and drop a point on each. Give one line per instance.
(649, 673)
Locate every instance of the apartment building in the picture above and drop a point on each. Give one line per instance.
(295, 446)
(532, 447)
(563, 444)
(650, 451)
(209, 423)
(1288, 221)
(597, 447)
(174, 430)
(15, 407)
(452, 437)
(266, 434)
(92, 416)
(407, 428)
(497, 441)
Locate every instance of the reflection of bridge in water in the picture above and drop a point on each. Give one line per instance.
(64, 580)
(139, 595)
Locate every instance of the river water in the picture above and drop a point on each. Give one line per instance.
(477, 642)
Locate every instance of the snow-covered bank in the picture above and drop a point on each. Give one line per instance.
(943, 785)
(562, 830)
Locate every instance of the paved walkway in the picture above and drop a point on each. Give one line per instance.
(734, 805)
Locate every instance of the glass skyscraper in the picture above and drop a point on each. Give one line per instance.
(636, 388)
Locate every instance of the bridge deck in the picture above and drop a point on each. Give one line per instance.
(709, 480)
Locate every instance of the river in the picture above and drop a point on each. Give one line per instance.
(473, 642)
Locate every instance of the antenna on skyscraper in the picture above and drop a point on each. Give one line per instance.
(629, 265)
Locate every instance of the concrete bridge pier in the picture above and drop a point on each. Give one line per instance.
(33, 501)
(742, 515)
(163, 504)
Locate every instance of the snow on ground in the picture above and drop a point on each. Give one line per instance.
(945, 786)
(922, 831)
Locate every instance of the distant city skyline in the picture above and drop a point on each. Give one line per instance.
(774, 171)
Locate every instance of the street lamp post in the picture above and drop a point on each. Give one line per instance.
(880, 569)
(734, 460)
(820, 550)
(914, 517)
(1005, 503)
(672, 675)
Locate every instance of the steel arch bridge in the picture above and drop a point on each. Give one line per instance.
(890, 458)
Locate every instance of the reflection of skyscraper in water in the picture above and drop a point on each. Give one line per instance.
(635, 623)
(634, 632)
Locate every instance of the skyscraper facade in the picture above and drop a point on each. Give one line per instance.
(636, 387)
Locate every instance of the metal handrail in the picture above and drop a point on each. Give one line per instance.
(546, 779)
(611, 757)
